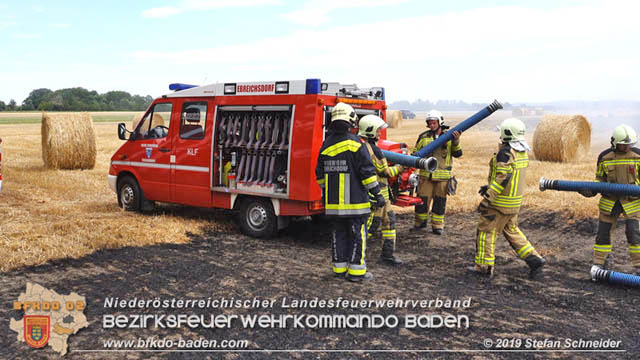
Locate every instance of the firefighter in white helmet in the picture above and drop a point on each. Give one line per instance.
(346, 176)
(432, 187)
(369, 130)
(620, 164)
(501, 202)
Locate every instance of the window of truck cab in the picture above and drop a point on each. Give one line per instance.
(155, 123)
(193, 119)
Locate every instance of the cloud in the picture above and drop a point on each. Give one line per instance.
(38, 8)
(194, 5)
(315, 12)
(509, 53)
(161, 12)
(216, 4)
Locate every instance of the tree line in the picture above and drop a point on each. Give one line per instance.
(78, 99)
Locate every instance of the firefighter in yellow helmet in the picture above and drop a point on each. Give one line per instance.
(369, 130)
(433, 186)
(346, 176)
(501, 202)
(620, 164)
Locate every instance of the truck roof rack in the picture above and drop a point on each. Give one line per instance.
(292, 87)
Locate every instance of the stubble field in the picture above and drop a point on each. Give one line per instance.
(51, 214)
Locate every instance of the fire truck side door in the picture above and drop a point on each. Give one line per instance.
(152, 151)
(190, 175)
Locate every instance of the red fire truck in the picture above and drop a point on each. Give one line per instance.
(251, 147)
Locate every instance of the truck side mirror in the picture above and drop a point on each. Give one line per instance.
(122, 131)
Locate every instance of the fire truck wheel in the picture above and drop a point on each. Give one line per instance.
(129, 194)
(257, 218)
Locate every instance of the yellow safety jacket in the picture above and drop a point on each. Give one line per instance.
(619, 168)
(443, 154)
(382, 168)
(507, 179)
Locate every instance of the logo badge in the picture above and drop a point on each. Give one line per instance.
(36, 330)
(149, 151)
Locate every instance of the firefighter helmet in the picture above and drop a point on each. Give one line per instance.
(512, 130)
(435, 115)
(369, 126)
(344, 112)
(623, 135)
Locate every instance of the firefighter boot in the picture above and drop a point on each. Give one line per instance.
(438, 231)
(604, 266)
(481, 270)
(536, 264)
(387, 253)
(419, 227)
(366, 277)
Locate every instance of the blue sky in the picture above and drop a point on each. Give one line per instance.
(513, 51)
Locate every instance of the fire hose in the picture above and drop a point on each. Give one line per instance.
(430, 164)
(614, 277)
(463, 126)
(596, 187)
(260, 139)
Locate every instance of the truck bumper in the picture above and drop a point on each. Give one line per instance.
(112, 180)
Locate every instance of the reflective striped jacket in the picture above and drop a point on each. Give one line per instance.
(443, 154)
(619, 168)
(507, 179)
(383, 170)
(346, 174)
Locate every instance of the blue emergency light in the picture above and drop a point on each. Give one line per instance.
(179, 86)
(313, 86)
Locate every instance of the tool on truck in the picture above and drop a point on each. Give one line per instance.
(251, 147)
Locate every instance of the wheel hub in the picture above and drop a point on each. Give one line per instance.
(257, 217)
(127, 195)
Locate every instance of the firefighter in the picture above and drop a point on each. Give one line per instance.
(433, 186)
(346, 176)
(620, 164)
(501, 202)
(369, 130)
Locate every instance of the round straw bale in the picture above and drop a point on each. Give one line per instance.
(562, 138)
(156, 121)
(394, 119)
(68, 141)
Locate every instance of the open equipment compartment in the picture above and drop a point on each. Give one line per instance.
(252, 145)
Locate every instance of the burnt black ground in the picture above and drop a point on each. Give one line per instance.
(562, 303)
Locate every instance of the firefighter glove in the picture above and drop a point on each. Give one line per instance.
(483, 190)
(380, 201)
(587, 193)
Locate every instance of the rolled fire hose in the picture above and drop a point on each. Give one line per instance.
(596, 187)
(614, 277)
